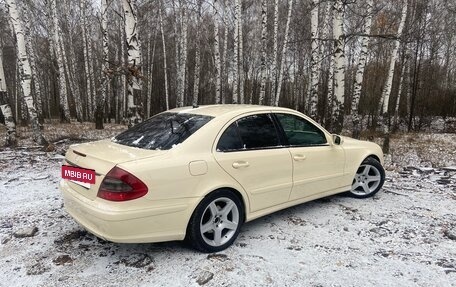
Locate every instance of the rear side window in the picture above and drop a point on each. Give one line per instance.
(162, 131)
(251, 132)
(230, 139)
(258, 131)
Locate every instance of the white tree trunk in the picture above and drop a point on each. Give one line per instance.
(241, 52)
(69, 59)
(10, 137)
(225, 52)
(183, 54)
(87, 59)
(74, 87)
(134, 61)
(264, 50)
(63, 93)
(339, 64)
(32, 57)
(165, 67)
(123, 78)
(330, 48)
(25, 71)
(399, 92)
(284, 54)
(235, 67)
(150, 75)
(384, 102)
(357, 86)
(218, 62)
(275, 52)
(314, 59)
(104, 67)
(196, 73)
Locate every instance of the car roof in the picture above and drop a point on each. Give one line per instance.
(219, 110)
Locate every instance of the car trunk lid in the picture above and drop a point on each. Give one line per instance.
(101, 156)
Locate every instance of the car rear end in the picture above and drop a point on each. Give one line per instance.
(122, 205)
(118, 207)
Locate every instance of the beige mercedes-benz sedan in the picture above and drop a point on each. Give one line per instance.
(199, 173)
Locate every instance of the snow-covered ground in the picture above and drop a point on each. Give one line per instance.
(404, 236)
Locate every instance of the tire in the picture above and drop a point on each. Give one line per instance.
(368, 180)
(216, 222)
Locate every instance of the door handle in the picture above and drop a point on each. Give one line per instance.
(299, 157)
(240, 164)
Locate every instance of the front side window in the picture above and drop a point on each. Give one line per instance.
(300, 132)
(251, 132)
(162, 131)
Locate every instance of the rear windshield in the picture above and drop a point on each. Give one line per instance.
(163, 131)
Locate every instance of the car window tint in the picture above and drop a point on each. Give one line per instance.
(162, 131)
(258, 131)
(300, 132)
(230, 139)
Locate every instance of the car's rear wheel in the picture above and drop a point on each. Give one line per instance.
(369, 179)
(216, 222)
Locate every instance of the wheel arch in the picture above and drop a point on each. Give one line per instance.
(374, 156)
(243, 198)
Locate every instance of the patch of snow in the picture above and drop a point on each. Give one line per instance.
(401, 237)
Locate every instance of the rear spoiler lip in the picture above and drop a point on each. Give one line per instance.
(75, 165)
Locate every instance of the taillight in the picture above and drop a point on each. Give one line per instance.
(120, 185)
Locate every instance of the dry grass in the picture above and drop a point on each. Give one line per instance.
(74, 131)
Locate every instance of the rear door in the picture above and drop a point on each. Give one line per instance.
(250, 150)
(318, 165)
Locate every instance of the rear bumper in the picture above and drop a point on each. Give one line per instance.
(134, 221)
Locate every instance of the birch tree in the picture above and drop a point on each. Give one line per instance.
(235, 67)
(264, 50)
(314, 60)
(357, 86)
(25, 71)
(150, 73)
(164, 57)
(104, 66)
(384, 101)
(330, 83)
(339, 65)
(241, 52)
(182, 66)
(218, 62)
(225, 51)
(275, 52)
(87, 53)
(69, 59)
(399, 92)
(63, 93)
(389, 80)
(134, 62)
(284, 54)
(32, 57)
(5, 108)
(196, 73)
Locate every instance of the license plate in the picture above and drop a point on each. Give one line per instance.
(82, 176)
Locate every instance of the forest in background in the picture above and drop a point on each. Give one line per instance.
(348, 64)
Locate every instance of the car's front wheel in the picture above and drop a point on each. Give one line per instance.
(216, 222)
(369, 179)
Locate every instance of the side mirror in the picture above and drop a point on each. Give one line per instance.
(337, 139)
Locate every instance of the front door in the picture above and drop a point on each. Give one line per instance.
(318, 165)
